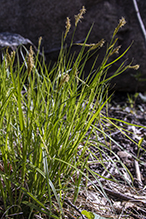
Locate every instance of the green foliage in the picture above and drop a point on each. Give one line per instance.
(91, 215)
(47, 117)
(88, 214)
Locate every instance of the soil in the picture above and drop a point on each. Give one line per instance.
(119, 190)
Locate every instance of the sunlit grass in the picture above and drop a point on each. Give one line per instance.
(47, 122)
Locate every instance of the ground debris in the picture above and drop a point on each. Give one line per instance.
(119, 190)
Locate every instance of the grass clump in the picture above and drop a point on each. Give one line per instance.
(47, 121)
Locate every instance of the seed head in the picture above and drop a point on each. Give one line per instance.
(135, 67)
(10, 57)
(40, 40)
(13, 56)
(92, 45)
(30, 60)
(65, 78)
(99, 44)
(68, 26)
(122, 22)
(80, 15)
(116, 50)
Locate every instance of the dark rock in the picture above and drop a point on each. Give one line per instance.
(15, 42)
(32, 20)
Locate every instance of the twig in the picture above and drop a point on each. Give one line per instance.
(117, 194)
(72, 205)
(124, 197)
(139, 19)
(138, 174)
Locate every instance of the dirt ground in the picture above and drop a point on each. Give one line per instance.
(121, 191)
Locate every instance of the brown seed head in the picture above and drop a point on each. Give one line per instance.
(135, 67)
(30, 60)
(12, 56)
(8, 57)
(68, 26)
(40, 40)
(92, 45)
(80, 15)
(116, 50)
(99, 44)
(122, 22)
(65, 78)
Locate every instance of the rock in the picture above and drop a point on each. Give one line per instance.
(32, 20)
(15, 42)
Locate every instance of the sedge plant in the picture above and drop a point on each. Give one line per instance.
(47, 120)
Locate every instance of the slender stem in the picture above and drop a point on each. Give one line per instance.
(139, 18)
